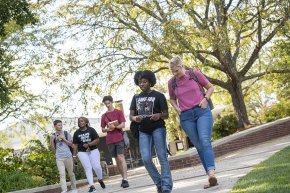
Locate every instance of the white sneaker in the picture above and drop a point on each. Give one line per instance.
(64, 192)
(74, 191)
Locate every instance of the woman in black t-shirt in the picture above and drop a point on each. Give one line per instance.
(149, 109)
(85, 142)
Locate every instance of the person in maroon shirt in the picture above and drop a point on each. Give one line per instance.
(112, 123)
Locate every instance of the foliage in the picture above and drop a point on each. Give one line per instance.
(41, 162)
(14, 15)
(271, 175)
(229, 40)
(277, 111)
(225, 126)
(17, 180)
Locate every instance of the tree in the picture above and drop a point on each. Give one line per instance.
(14, 15)
(227, 39)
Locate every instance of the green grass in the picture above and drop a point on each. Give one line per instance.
(12, 181)
(270, 176)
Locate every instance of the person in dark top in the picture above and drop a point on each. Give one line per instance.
(85, 142)
(149, 109)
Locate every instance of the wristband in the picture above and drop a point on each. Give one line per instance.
(74, 156)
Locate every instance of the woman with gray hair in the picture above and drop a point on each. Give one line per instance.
(191, 104)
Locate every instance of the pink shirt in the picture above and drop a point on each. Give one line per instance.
(116, 135)
(187, 92)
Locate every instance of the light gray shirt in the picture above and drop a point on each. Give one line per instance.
(62, 150)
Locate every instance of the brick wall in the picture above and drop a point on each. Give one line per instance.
(238, 141)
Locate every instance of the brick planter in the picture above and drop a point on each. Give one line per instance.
(235, 142)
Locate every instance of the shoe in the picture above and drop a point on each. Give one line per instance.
(64, 192)
(102, 184)
(74, 191)
(166, 191)
(92, 189)
(159, 190)
(125, 184)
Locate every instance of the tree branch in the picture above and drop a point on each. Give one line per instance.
(264, 73)
(255, 53)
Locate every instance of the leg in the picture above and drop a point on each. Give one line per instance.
(159, 138)
(94, 156)
(85, 161)
(120, 149)
(69, 167)
(61, 170)
(204, 128)
(145, 144)
(189, 126)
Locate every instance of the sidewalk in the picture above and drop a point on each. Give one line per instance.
(230, 168)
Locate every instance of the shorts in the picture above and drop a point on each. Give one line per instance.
(117, 148)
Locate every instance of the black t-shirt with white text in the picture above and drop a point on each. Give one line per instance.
(147, 104)
(82, 137)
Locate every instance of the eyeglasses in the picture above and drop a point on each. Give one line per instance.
(176, 70)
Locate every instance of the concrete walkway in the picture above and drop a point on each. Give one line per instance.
(230, 168)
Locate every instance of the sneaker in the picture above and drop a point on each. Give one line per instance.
(159, 190)
(74, 191)
(92, 189)
(125, 184)
(102, 184)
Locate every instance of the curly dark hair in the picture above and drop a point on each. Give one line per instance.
(146, 74)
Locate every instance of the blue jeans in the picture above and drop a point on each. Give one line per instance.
(146, 142)
(197, 124)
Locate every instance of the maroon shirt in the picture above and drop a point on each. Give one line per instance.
(116, 135)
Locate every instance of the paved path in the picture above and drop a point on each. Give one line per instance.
(230, 168)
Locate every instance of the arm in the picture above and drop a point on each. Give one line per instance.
(173, 102)
(75, 148)
(94, 142)
(134, 118)
(209, 90)
(52, 145)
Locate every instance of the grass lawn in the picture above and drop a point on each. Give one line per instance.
(270, 176)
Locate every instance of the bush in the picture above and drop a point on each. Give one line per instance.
(277, 111)
(225, 126)
(16, 180)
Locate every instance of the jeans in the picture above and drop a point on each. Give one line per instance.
(91, 160)
(63, 164)
(197, 124)
(146, 142)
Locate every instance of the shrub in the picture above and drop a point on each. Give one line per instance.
(225, 126)
(277, 111)
(16, 180)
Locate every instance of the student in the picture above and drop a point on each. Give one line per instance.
(192, 106)
(85, 142)
(61, 141)
(112, 123)
(149, 109)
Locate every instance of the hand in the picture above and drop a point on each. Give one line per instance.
(137, 119)
(177, 109)
(155, 117)
(111, 127)
(203, 103)
(60, 137)
(86, 145)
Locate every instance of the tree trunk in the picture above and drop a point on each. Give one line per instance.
(239, 104)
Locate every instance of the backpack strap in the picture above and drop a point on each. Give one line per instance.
(173, 85)
(107, 117)
(192, 76)
(66, 135)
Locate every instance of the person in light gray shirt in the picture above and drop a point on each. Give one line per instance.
(61, 141)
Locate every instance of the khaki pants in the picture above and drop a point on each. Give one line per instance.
(67, 164)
